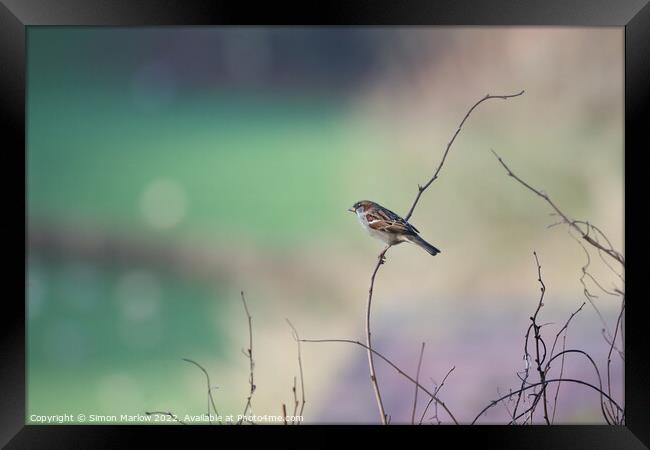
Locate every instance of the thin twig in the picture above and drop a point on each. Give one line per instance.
(421, 189)
(435, 392)
(566, 325)
(611, 348)
(609, 341)
(505, 404)
(557, 390)
(417, 379)
(564, 329)
(598, 231)
(207, 379)
(295, 400)
(588, 295)
(249, 355)
(296, 336)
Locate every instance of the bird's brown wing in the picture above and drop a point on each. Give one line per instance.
(383, 219)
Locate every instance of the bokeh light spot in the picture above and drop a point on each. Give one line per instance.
(163, 203)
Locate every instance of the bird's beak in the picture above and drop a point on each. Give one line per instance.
(352, 210)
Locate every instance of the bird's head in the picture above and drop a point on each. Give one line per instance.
(363, 205)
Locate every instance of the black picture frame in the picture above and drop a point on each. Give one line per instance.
(17, 15)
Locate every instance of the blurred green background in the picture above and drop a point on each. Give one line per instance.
(170, 168)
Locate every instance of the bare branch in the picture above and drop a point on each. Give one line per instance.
(371, 364)
(617, 256)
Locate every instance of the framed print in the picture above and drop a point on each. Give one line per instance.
(325, 216)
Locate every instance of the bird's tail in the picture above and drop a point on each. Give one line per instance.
(417, 240)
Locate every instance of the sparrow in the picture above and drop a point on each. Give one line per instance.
(384, 224)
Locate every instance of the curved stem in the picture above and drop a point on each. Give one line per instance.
(421, 189)
(371, 363)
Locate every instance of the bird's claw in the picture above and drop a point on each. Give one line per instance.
(382, 256)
